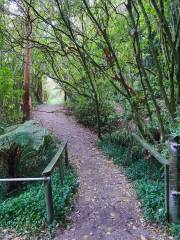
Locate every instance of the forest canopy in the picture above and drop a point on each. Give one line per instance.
(104, 54)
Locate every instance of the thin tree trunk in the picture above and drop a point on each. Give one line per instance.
(65, 96)
(26, 97)
(138, 58)
(155, 57)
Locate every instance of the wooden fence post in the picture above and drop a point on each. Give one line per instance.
(61, 170)
(174, 180)
(66, 156)
(49, 200)
(166, 189)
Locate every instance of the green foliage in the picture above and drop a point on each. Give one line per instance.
(151, 194)
(113, 151)
(85, 111)
(144, 169)
(122, 139)
(26, 212)
(175, 129)
(36, 148)
(2, 131)
(27, 135)
(98, 52)
(176, 231)
(10, 96)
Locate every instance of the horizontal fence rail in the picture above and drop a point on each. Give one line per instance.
(23, 179)
(171, 175)
(53, 163)
(58, 160)
(153, 152)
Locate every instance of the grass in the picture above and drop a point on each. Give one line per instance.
(27, 213)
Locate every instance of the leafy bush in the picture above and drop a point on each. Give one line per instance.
(26, 212)
(1, 130)
(85, 111)
(122, 139)
(25, 209)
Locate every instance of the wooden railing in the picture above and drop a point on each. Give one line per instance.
(171, 175)
(57, 161)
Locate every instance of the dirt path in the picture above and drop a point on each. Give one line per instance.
(106, 208)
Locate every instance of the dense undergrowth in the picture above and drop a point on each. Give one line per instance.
(25, 150)
(146, 175)
(85, 112)
(26, 212)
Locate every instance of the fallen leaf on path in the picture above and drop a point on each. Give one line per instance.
(113, 215)
(143, 237)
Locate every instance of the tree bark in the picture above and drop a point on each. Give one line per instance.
(27, 98)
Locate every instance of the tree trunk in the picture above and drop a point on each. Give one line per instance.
(65, 96)
(26, 98)
(12, 165)
(40, 92)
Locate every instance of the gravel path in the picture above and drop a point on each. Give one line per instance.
(106, 207)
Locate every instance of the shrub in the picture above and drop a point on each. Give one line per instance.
(85, 111)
